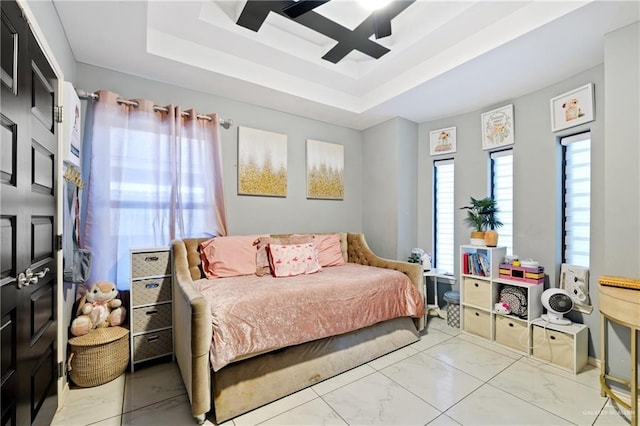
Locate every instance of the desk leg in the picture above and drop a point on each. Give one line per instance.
(634, 376)
(603, 351)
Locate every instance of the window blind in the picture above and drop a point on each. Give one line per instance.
(502, 193)
(576, 199)
(444, 171)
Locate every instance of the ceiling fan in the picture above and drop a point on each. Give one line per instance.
(381, 16)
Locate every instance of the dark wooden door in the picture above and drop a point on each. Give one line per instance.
(27, 225)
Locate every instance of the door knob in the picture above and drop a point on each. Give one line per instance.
(28, 277)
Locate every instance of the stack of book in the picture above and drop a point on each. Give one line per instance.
(476, 264)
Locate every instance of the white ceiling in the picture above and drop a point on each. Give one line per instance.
(446, 58)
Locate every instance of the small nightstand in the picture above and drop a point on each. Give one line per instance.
(151, 305)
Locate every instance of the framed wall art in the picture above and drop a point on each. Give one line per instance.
(442, 141)
(325, 170)
(572, 108)
(262, 163)
(497, 127)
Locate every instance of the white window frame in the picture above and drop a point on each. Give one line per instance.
(444, 218)
(502, 192)
(576, 199)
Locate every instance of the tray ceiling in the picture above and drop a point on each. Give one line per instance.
(444, 57)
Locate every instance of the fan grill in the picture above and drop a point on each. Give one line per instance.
(560, 303)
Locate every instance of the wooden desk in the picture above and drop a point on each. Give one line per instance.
(621, 306)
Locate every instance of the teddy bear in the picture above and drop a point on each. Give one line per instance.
(502, 308)
(98, 308)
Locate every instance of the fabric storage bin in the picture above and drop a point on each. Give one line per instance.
(553, 346)
(150, 291)
(98, 357)
(150, 264)
(511, 332)
(152, 345)
(148, 318)
(477, 322)
(477, 292)
(453, 308)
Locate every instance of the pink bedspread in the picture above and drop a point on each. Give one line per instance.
(253, 315)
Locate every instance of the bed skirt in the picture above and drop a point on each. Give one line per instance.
(244, 385)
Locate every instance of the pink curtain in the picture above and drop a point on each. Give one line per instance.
(152, 176)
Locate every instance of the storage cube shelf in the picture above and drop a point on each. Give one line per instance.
(561, 345)
(151, 305)
(482, 280)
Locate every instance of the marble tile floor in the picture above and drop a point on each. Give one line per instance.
(447, 378)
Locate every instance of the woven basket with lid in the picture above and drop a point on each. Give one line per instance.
(99, 356)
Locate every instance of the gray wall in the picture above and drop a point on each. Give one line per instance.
(615, 195)
(619, 230)
(389, 187)
(249, 214)
(54, 36)
(407, 188)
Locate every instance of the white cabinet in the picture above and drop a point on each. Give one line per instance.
(562, 345)
(151, 305)
(480, 289)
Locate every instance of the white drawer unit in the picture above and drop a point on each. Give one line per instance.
(561, 345)
(522, 330)
(151, 305)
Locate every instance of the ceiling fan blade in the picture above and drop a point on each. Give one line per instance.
(301, 7)
(381, 23)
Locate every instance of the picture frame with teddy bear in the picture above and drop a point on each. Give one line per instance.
(572, 108)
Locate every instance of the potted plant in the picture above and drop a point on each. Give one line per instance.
(482, 217)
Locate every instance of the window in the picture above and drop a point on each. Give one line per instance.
(502, 192)
(151, 178)
(576, 199)
(443, 215)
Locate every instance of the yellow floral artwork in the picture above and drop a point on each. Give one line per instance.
(262, 163)
(325, 170)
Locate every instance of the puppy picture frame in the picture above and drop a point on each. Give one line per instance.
(572, 108)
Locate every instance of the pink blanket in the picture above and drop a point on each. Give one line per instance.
(253, 315)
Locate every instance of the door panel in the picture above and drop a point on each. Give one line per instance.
(43, 169)
(9, 46)
(9, 140)
(27, 226)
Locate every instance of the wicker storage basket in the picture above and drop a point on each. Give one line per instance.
(98, 357)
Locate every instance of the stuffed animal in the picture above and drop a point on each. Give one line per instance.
(502, 308)
(98, 308)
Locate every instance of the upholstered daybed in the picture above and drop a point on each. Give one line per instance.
(227, 384)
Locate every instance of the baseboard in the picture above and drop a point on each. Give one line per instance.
(594, 361)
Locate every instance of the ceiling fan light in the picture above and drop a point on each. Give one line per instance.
(373, 4)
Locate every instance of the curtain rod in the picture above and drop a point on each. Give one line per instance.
(224, 122)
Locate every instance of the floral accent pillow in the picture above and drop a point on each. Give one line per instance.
(288, 260)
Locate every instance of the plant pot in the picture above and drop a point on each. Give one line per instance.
(491, 238)
(477, 238)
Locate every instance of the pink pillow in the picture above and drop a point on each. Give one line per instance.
(229, 256)
(262, 256)
(329, 251)
(288, 260)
